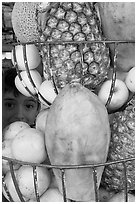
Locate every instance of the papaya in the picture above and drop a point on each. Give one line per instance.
(118, 23)
(77, 133)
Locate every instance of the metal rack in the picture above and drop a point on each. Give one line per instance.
(62, 167)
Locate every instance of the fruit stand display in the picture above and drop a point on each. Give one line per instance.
(69, 57)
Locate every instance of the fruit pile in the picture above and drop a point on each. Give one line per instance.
(87, 91)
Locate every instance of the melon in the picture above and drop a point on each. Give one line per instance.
(77, 133)
(118, 23)
(24, 21)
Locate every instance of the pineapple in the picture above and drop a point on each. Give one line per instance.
(69, 56)
(122, 146)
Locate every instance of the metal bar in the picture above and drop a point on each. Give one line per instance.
(36, 184)
(70, 166)
(19, 75)
(113, 77)
(27, 67)
(50, 69)
(47, 60)
(77, 42)
(30, 78)
(95, 184)
(82, 61)
(15, 181)
(6, 190)
(125, 182)
(63, 184)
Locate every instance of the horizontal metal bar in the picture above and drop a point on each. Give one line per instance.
(70, 166)
(76, 42)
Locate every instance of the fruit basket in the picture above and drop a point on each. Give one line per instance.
(63, 168)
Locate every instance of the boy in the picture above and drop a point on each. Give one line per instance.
(15, 106)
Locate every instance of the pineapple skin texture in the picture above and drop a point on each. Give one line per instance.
(122, 146)
(86, 63)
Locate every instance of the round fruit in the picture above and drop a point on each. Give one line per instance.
(47, 91)
(11, 188)
(29, 146)
(24, 21)
(32, 56)
(26, 81)
(26, 181)
(10, 131)
(119, 97)
(120, 197)
(6, 151)
(41, 120)
(130, 80)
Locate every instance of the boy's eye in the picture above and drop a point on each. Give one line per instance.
(29, 106)
(9, 105)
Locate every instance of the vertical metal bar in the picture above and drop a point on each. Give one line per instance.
(113, 76)
(50, 69)
(15, 181)
(6, 190)
(95, 184)
(36, 183)
(27, 67)
(82, 62)
(43, 58)
(125, 182)
(63, 184)
(30, 78)
(19, 75)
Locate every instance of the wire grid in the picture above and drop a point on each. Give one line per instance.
(65, 167)
(116, 43)
(62, 168)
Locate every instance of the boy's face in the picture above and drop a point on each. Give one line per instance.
(18, 108)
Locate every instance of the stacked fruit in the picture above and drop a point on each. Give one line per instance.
(25, 144)
(74, 130)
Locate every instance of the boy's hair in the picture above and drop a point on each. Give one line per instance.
(8, 81)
